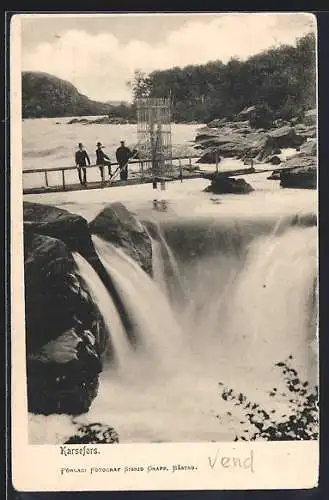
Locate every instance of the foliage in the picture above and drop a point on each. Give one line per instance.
(301, 424)
(281, 81)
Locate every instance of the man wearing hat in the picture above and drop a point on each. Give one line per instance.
(102, 159)
(81, 160)
(123, 154)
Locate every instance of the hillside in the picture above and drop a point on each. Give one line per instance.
(45, 95)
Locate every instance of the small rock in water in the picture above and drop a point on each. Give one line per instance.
(94, 434)
(220, 184)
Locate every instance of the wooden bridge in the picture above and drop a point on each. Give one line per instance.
(64, 176)
(185, 169)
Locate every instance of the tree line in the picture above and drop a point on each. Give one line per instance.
(280, 80)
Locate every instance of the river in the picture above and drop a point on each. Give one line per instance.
(231, 296)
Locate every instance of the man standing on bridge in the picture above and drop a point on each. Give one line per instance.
(81, 160)
(101, 160)
(123, 154)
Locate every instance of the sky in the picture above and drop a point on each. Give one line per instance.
(100, 53)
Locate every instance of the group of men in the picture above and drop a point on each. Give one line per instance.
(82, 160)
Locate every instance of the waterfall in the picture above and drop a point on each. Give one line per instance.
(156, 327)
(100, 296)
(158, 269)
(166, 271)
(269, 311)
(246, 311)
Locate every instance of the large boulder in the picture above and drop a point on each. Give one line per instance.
(49, 268)
(300, 177)
(61, 224)
(273, 160)
(286, 137)
(119, 226)
(59, 381)
(306, 131)
(221, 184)
(300, 171)
(65, 333)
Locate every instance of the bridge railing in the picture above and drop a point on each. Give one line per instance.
(140, 172)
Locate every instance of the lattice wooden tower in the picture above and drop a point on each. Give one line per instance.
(154, 137)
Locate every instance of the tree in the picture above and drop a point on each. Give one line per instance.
(140, 85)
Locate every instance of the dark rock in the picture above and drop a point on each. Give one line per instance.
(286, 137)
(247, 112)
(275, 176)
(299, 177)
(65, 333)
(301, 168)
(117, 225)
(106, 120)
(300, 160)
(306, 131)
(274, 160)
(74, 231)
(259, 115)
(83, 121)
(60, 224)
(221, 184)
(94, 434)
(62, 388)
(217, 122)
(48, 266)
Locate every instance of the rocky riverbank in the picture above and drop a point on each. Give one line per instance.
(239, 139)
(103, 120)
(67, 340)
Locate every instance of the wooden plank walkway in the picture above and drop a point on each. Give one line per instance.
(181, 174)
(100, 185)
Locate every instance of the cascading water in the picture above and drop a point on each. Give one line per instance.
(248, 311)
(100, 296)
(156, 327)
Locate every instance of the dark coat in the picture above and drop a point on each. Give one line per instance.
(123, 154)
(81, 158)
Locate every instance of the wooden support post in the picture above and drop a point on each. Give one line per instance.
(63, 178)
(46, 178)
(180, 170)
(142, 170)
(217, 161)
